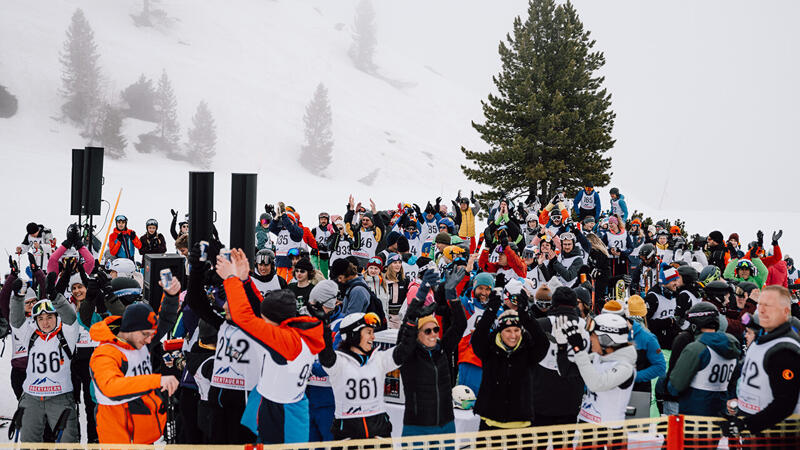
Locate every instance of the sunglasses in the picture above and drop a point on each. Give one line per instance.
(434, 330)
(300, 270)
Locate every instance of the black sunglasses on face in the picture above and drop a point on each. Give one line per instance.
(431, 330)
(300, 270)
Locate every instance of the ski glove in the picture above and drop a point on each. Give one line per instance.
(451, 280)
(17, 286)
(558, 330)
(760, 237)
(174, 213)
(32, 263)
(733, 426)
(776, 236)
(572, 331)
(13, 265)
(493, 304)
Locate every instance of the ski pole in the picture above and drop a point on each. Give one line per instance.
(108, 230)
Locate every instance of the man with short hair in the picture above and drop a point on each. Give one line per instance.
(128, 406)
(769, 385)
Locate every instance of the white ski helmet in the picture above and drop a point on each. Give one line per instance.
(611, 329)
(351, 324)
(463, 397)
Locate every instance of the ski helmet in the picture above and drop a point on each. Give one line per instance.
(567, 237)
(121, 218)
(265, 256)
(611, 329)
(153, 222)
(123, 266)
(463, 397)
(127, 290)
(703, 315)
(709, 274)
(614, 191)
(747, 264)
(789, 261)
(716, 290)
(530, 251)
(647, 251)
(325, 215)
(350, 328)
(688, 274)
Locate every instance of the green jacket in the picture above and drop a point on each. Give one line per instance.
(759, 278)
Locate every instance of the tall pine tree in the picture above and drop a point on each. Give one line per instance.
(315, 155)
(8, 103)
(168, 130)
(202, 137)
(80, 75)
(104, 129)
(141, 100)
(550, 124)
(362, 49)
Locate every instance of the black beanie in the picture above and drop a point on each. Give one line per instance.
(138, 317)
(339, 267)
(392, 238)
(279, 305)
(32, 228)
(564, 296)
(402, 245)
(717, 237)
(305, 264)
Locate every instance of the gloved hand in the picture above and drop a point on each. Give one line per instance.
(132, 234)
(523, 301)
(32, 263)
(627, 279)
(16, 286)
(174, 213)
(574, 338)
(680, 243)
(558, 330)
(451, 280)
(316, 311)
(594, 273)
(776, 236)
(429, 280)
(472, 197)
(760, 238)
(733, 426)
(13, 265)
(494, 302)
(73, 234)
(195, 265)
(500, 280)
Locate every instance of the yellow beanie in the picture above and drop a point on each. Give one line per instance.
(427, 319)
(636, 306)
(613, 307)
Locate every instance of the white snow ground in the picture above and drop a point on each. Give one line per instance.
(257, 62)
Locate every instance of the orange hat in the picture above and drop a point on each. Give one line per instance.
(636, 221)
(675, 230)
(636, 306)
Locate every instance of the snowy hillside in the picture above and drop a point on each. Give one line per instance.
(257, 63)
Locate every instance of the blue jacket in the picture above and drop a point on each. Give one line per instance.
(597, 206)
(646, 342)
(622, 205)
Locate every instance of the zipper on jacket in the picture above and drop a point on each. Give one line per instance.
(436, 383)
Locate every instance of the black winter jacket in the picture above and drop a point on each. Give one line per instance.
(506, 392)
(426, 375)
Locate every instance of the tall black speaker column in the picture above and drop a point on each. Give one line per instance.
(243, 213)
(201, 206)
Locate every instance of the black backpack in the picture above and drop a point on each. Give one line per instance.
(374, 306)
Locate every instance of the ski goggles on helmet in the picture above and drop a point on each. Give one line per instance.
(393, 257)
(152, 222)
(120, 218)
(567, 236)
(43, 307)
(265, 258)
(530, 251)
(745, 264)
(325, 215)
(375, 260)
(293, 252)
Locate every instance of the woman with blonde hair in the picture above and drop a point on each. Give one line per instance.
(397, 287)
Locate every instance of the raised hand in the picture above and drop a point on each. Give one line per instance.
(240, 263)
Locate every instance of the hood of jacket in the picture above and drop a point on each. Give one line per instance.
(727, 346)
(102, 332)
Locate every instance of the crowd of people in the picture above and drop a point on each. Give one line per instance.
(528, 314)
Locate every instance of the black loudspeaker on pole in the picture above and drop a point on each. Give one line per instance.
(201, 206)
(87, 181)
(243, 213)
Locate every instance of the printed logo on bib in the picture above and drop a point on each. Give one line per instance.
(45, 385)
(228, 376)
